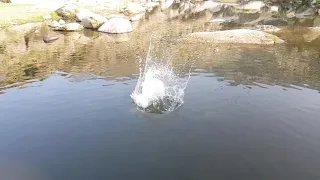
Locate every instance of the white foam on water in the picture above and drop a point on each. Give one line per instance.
(159, 89)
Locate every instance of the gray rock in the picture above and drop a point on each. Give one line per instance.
(116, 26)
(50, 39)
(62, 22)
(240, 36)
(69, 27)
(67, 11)
(83, 14)
(93, 22)
(251, 5)
(135, 8)
(54, 24)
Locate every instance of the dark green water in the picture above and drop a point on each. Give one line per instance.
(250, 112)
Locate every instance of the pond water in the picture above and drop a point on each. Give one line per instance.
(249, 112)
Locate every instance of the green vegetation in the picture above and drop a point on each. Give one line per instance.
(54, 15)
(12, 14)
(6, 23)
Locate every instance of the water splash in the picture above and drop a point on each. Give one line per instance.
(159, 88)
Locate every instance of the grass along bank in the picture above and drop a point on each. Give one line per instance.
(20, 14)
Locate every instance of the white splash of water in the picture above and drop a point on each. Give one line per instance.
(159, 89)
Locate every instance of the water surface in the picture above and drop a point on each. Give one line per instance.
(250, 112)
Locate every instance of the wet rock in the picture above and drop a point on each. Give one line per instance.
(67, 11)
(83, 14)
(62, 22)
(69, 27)
(135, 8)
(251, 5)
(50, 39)
(116, 26)
(137, 17)
(241, 36)
(93, 22)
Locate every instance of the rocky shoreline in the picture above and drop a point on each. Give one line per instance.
(253, 22)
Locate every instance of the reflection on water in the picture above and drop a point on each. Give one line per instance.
(250, 112)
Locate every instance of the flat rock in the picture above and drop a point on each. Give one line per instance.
(240, 36)
(116, 26)
(69, 27)
(50, 39)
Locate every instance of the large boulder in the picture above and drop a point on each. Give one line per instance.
(67, 11)
(135, 8)
(116, 25)
(240, 36)
(83, 14)
(93, 22)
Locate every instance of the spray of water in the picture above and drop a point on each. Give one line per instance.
(159, 89)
